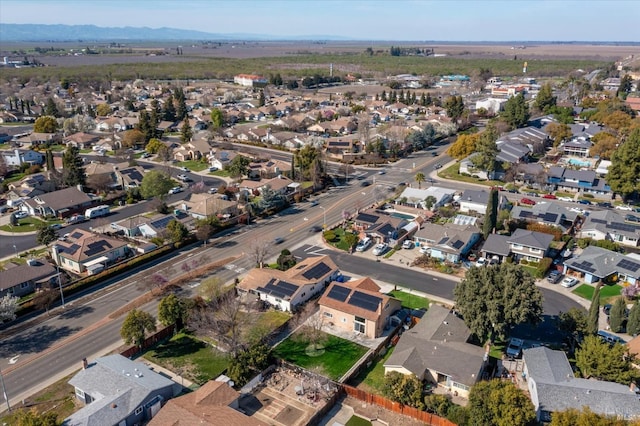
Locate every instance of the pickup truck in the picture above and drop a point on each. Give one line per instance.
(514, 350)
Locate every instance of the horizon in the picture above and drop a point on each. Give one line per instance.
(591, 21)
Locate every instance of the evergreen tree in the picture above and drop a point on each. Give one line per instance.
(51, 108)
(261, 99)
(516, 111)
(429, 100)
(49, 160)
(455, 107)
(185, 132)
(169, 112)
(90, 111)
(491, 215)
(487, 150)
(73, 170)
(181, 108)
(594, 312)
(423, 100)
(633, 323)
(383, 96)
(622, 175)
(293, 167)
(617, 315)
(545, 99)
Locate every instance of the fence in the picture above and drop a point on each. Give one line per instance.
(148, 342)
(396, 407)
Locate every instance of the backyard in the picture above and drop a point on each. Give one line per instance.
(607, 292)
(334, 360)
(371, 379)
(189, 357)
(410, 301)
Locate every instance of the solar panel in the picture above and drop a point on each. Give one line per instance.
(457, 244)
(162, 222)
(339, 293)
(72, 248)
(628, 264)
(364, 217)
(550, 217)
(365, 301)
(622, 227)
(598, 221)
(96, 247)
(76, 235)
(525, 213)
(280, 289)
(586, 266)
(317, 271)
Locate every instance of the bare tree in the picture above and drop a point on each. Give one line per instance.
(44, 298)
(211, 288)
(259, 252)
(312, 322)
(364, 129)
(100, 182)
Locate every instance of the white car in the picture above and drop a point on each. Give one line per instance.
(408, 244)
(379, 249)
(425, 250)
(184, 169)
(175, 190)
(364, 244)
(481, 262)
(20, 215)
(624, 207)
(569, 282)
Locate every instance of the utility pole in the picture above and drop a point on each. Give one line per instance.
(4, 391)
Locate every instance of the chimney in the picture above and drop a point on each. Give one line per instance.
(85, 364)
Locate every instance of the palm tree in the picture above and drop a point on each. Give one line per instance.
(420, 178)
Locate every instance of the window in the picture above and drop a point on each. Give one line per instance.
(24, 285)
(79, 393)
(535, 250)
(359, 324)
(138, 411)
(516, 246)
(328, 314)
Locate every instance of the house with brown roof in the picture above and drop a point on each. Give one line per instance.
(59, 203)
(81, 140)
(20, 280)
(214, 403)
(289, 289)
(86, 252)
(201, 206)
(192, 150)
(268, 169)
(358, 306)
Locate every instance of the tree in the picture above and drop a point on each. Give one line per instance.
(491, 215)
(633, 323)
(573, 323)
(238, 166)
(173, 310)
(135, 327)
(492, 300)
(185, 132)
(604, 144)
(73, 171)
(132, 138)
(487, 150)
(559, 132)
(626, 84)
(285, 260)
(598, 359)
(351, 239)
(177, 231)
(153, 146)
(305, 158)
(420, 178)
(624, 172)
(217, 118)
(100, 182)
(46, 235)
(33, 418)
(8, 307)
(454, 105)
(545, 99)
(584, 417)
(3, 167)
(403, 388)
(51, 108)
(594, 312)
(499, 403)
(44, 298)
(48, 161)
(516, 111)
(45, 124)
(438, 404)
(102, 110)
(617, 316)
(155, 184)
(181, 104)
(169, 111)
(248, 362)
(464, 146)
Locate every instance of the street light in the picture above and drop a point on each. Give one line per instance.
(4, 392)
(324, 217)
(56, 260)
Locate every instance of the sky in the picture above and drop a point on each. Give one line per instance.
(443, 20)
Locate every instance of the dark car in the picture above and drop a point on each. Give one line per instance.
(632, 218)
(605, 204)
(365, 183)
(554, 277)
(585, 202)
(278, 240)
(606, 309)
(315, 228)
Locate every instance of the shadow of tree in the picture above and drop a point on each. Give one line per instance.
(181, 346)
(76, 312)
(37, 341)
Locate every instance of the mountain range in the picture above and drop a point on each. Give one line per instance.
(40, 32)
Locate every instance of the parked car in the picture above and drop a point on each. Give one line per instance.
(527, 201)
(380, 249)
(314, 203)
(20, 215)
(554, 277)
(184, 169)
(278, 240)
(585, 202)
(606, 309)
(550, 197)
(4, 209)
(55, 226)
(184, 178)
(145, 155)
(365, 183)
(425, 250)
(605, 205)
(612, 339)
(78, 218)
(213, 190)
(408, 244)
(364, 244)
(632, 218)
(569, 282)
(624, 207)
(514, 349)
(175, 190)
(213, 169)
(381, 172)
(481, 262)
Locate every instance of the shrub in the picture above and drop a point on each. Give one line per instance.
(524, 262)
(587, 195)
(543, 267)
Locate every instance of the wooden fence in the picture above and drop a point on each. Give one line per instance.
(148, 342)
(396, 407)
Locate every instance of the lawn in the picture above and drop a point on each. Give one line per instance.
(196, 166)
(189, 357)
(607, 292)
(453, 172)
(220, 173)
(372, 378)
(28, 224)
(338, 356)
(409, 300)
(339, 241)
(358, 421)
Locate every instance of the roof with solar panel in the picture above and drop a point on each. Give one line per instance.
(83, 245)
(360, 297)
(603, 263)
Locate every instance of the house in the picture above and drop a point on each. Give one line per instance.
(609, 225)
(587, 181)
(212, 404)
(28, 187)
(436, 349)
(192, 150)
(84, 251)
(36, 139)
(358, 306)
(548, 213)
(129, 177)
(598, 264)
(268, 169)
(23, 156)
(576, 147)
(201, 206)
(532, 246)
(81, 140)
(148, 227)
(250, 80)
(379, 225)
(289, 289)
(553, 387)
(59, 203)
(118, 391)
(448, 242)
(417, 197)
(220, 159)
(20, 280)
(491, 105)
(473, 200)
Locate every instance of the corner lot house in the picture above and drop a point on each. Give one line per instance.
(118, 391)
(522, 244)
(436, 350)
(289, 289)
(58, 203)
(87, 252)
(358, 306)
(473, 200)
(24, 279)
(595, 264)
(553, 387)
(609, 225)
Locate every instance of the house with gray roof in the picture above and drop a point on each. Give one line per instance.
(609, 225)
(59, 203)
(473, 200)
(436, 349)
(553, 387)
(587, 181)
(522, 244)
(20, 280)
(448, 242)
(596, 264)
(416, 197)
(546, 213)
(118, 391)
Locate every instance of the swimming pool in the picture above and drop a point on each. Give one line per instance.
(402, 216)
(579, 163)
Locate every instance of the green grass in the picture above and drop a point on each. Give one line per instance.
(453, 172)
(189, 357)
(497, 349)
(273, 319)
(196, 166)
(358, 421)
(372, 378)
(220, 173)
(28, 224)
(339, 354)
(607, 292)
(410, 301)
(339, 241)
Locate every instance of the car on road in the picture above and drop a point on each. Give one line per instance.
(437, 166)
(361, 177)
(278, 240)
(408, 244)
(381, 172)
(380, 249)
(315, 228)
(550, 197)
(175, 190)
(481, 262)
(605, 205)
(569, 282)
(364, 244)
(365, 183)
(213, 190)
(55, 226)
(624, 207)
(553, 277)
(78, 218)
(585, 202)
(184, 178)
(527, 202)
(20, 215)
(184, 169)
(314, 203)
(145, 155)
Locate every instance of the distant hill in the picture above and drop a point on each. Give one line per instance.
(39, 32)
